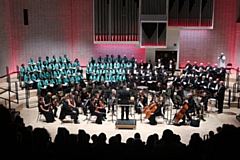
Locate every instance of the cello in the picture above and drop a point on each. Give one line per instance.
(180, 114)
(151, 108)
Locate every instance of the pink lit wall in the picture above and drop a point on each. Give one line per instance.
(58, 27)
(205, 46)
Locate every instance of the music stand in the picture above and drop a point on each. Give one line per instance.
(169, 115)
(112, 103)
(86, 105)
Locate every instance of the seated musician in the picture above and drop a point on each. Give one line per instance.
(84, 95)
(112, 98)
(45, 110)
(79, 102)
(49, 101)
(191, 108)
(94, 111)
(204, 101)
(68, 110)
(99, 104)
(140, 106)
(158, 112)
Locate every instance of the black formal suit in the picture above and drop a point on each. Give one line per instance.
(203, 84)
(162, 71)
(204, 101)
(220, 98)
(210, 88)
(66, 110)
(180, 93)
(171, 68)
(151, 82)
(143, 81)
(164, 81)
(176, 81)
(149, 65)
(124, 97)
(112, 101)
(142, 72)
(49, 100)
(221, 74)
(191, 109)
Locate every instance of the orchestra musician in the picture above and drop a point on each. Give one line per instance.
(154, 109)
(72, 105)
(94, 111)
(50, 102)
(99, 104)
(204, 103)
(191, 108)
(45, 110)
(112, 100)
(69, 110)
(79, 102)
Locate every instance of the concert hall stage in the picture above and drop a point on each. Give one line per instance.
(213, 120)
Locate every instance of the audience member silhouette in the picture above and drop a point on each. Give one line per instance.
(37, 143)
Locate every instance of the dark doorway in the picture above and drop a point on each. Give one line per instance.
(166, 56)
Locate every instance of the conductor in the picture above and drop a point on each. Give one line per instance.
(124, 97)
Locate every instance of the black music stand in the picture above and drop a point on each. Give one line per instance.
(114, 104)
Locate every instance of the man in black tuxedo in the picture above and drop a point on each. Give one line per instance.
(191, 108)
(67, 110)
(220, 96)
(49, 101)
(171, 67)
(124, 97)
(204, 101)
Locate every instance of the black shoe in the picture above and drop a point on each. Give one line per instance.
(127, 119)
(108, 111)
(182, 123)
(76, 122)
(153, 123)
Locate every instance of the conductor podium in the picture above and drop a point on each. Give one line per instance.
(126, 124)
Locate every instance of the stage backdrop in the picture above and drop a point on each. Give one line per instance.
(57, 27)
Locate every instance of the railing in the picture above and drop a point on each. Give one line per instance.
(9, 89)
(234, 92)
(27, 93)
(237, 74)
(227, 80)
(229, 97)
